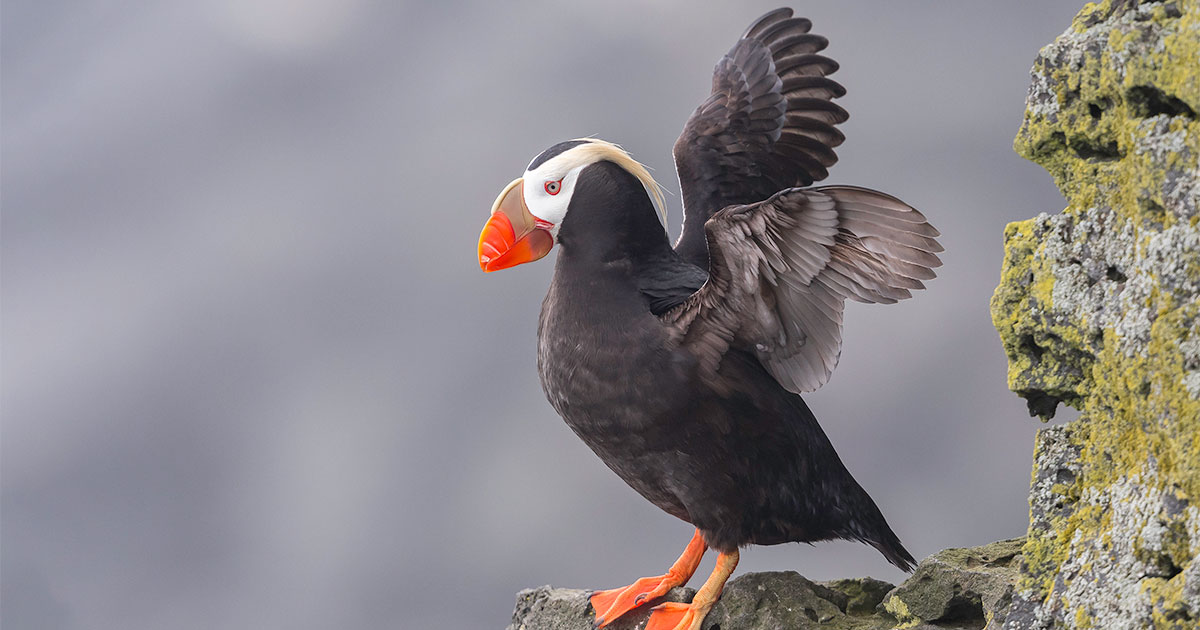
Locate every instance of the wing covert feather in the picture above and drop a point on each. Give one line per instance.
(781, 270)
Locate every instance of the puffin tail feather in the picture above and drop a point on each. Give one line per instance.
(879, 535)
(894, 551)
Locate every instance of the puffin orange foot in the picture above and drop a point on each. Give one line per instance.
(675, 616)
(611, 604)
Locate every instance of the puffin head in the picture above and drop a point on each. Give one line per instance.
(527, 215)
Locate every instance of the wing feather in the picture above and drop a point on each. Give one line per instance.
(779, 27)
(781, 270)
(767, 125)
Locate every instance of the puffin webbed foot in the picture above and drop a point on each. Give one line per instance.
(677, 616)
(612, 604)
(674, 615)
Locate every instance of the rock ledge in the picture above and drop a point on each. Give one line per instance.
(953, 589)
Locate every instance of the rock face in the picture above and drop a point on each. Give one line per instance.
(955, 589)
(1099, 307)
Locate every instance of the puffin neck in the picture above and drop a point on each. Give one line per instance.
(611, 219)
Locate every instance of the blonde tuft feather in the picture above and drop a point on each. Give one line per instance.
(596, 150)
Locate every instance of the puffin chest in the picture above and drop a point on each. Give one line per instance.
(602, 366)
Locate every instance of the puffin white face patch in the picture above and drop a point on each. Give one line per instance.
(549, 185)
(548, 192)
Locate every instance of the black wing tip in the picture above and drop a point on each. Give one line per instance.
(765, 21)
(782, 29)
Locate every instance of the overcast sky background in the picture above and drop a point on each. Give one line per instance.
(254, 378)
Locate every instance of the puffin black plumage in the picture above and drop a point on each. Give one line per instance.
(681, 367)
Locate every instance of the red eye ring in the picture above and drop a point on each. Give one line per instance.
(553, 188)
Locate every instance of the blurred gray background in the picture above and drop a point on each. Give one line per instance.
(254, 378)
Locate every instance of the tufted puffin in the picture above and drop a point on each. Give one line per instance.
(682, 367)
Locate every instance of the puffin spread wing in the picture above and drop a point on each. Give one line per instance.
(768, 125)
(780, 271)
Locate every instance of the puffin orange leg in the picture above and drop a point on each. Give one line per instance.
(675, 616)
(611, 604)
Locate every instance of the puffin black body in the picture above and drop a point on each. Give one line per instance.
(750, 466)
(681, 367)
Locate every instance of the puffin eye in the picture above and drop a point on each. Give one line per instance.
(552, 188)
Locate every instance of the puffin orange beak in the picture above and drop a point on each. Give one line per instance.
(512, 236)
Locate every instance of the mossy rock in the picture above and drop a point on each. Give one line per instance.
(1099, 307)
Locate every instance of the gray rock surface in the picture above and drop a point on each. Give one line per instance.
(953, 589)
(1099, 307)
(963, 586)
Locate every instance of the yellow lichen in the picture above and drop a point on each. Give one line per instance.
(898, 609)
(1109, 129)
(1082, 619)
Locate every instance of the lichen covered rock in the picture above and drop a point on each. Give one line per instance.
(1099, 307)
(959, 586)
